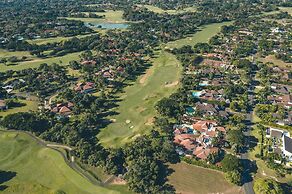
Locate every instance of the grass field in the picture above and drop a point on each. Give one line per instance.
(278, 62)
(63, 60)
(30, 106)
(6, 54)
(287, 9)
(41, 41)
(138, 100)
(189, 179)
(40, 170)
(161, 11)
(110, 17)
(202, 36)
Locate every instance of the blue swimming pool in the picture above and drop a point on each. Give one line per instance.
(197, 94)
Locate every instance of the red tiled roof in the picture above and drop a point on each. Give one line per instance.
(64, 110)
(211, 133)
(188, 144)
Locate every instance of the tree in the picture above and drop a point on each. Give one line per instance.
(267, 186)
(231, 163)
(25, 121)
(236, 137)
(168, 107)
(234, 177)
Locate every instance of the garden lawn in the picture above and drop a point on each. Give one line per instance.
(205, 33)
(190, 179)
(63, 60)
(30, 106)
(136, 109)
(39, 170)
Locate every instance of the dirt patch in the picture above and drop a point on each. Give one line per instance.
(145, 76)
(169, 85)
(118, 181)
(150, 121)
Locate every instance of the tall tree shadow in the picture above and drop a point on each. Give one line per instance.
(4, 177)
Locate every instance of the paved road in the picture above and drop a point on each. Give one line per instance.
(248, 186)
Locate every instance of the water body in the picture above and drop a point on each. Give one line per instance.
(109, 26)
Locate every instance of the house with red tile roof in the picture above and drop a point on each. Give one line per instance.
(196, 139)
(85, 87)
(63, 109)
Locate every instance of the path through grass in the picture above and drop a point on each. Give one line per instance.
(39, 170)
(136, 110)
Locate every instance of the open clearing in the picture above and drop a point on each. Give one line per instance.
(30, 106)
(40, 170)
(189, 179)
(205, 33)
(63, 60)
(110, 17)
(161, 11)
(286, 9)
(136, 110)
(278, 62)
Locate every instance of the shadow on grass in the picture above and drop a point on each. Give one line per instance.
(4, 177)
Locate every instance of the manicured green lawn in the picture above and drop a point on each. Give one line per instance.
(138, 101)
(63, 60)
(196, 180)
(202, 36)
(39, 170)
(30, 106)
(161, 11)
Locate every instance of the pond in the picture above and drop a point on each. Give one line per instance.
(108, 25)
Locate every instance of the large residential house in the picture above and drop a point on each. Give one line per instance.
(282, 143)
(85, 87)
(285, 100)
(63, 109)
(196, 139)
